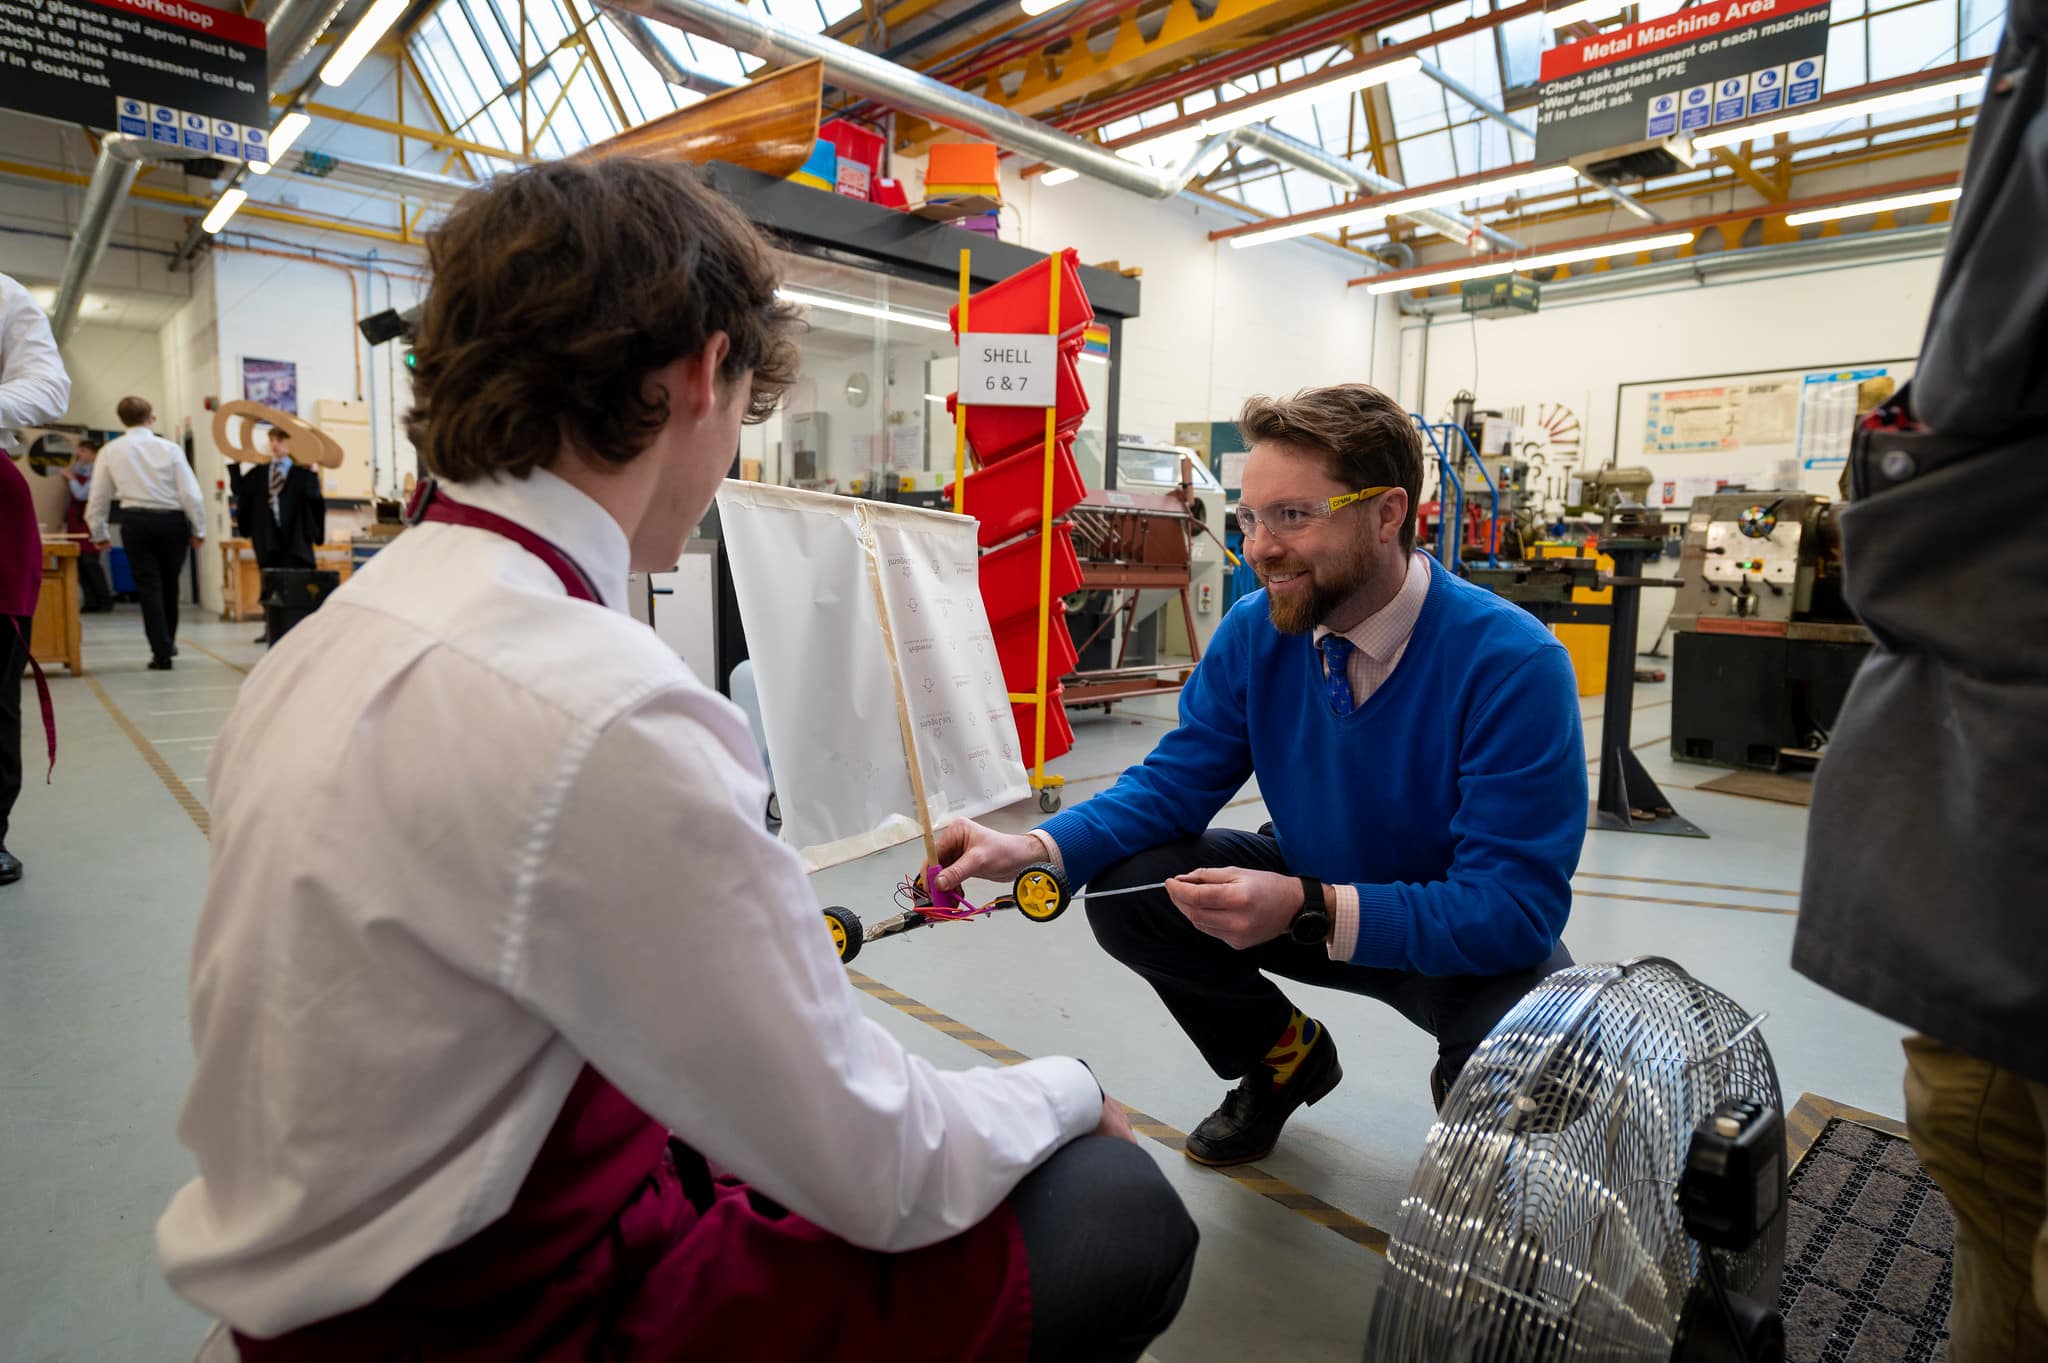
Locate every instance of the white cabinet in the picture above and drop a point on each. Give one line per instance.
(349, 424)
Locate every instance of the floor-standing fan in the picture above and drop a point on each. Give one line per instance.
(1606, 1181)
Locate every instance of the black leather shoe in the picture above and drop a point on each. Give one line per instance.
(159, 664)
(10, 867)
(1247, 1126)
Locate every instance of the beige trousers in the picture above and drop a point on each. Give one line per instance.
(1979, 1130)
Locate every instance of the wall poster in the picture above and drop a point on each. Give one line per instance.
(274, 383)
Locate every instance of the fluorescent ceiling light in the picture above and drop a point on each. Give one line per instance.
(1502, 184)
(939, 398)
(281, 138)
(371, 27)
(1058, 175)
(1034, 8)
(1257, 109)
(1496, 268)
(287, 132)
(1868, 206)
(1835, 113)
(223, 209)
(1091, 355)
(817, 300)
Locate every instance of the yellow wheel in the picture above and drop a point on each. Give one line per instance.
(1041, 893)
(847, 933)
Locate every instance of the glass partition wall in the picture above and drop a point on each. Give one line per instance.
(867, 416)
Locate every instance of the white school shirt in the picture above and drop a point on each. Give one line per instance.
(143, 472)
(469, 835)
(34, 388)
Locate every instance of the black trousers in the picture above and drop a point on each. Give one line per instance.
(97, 596)
(13, 658)
(1222, 998)
(156, 542)
(1111, 1250)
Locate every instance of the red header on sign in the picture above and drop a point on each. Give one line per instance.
(200, 18)
(1686, 26)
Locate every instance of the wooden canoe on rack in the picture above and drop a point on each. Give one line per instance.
(769, 125)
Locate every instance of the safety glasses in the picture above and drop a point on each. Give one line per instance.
(1284, 520)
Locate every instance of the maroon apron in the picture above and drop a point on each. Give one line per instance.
(21, 583)
(621, 1246)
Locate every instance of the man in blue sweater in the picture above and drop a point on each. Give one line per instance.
(1417, 742)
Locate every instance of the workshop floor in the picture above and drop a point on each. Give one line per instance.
(94, 1057)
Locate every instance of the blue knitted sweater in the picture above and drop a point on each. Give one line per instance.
(1454, 798)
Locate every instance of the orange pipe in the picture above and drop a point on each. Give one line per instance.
(354, 305)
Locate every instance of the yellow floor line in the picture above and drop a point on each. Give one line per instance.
(1249, 1176)
(1687, 884)
(180, 792)
(1584, 893)
(217, 658)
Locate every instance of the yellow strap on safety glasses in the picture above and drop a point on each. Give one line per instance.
(1339, 503)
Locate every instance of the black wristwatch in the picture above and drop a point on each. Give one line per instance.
(1311, 923)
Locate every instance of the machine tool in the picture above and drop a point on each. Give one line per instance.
(1764, 646)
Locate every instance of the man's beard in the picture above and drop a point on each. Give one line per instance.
(1330, 586)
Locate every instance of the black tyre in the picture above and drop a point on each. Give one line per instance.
(1049, 799)
(847, 933)
(1041, 892)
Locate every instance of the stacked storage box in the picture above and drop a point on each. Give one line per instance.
(1006, 493)
(859, 157)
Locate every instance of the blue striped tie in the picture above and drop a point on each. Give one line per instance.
(1337, 651)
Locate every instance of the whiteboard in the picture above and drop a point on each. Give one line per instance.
(1772, 428)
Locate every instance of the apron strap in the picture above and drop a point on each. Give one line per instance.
(42, 696)
(430, 503)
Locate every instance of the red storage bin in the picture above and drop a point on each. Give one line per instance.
(1059, 734)
(1018, 304)
(997, 433)
(855, 143)
(1017, 649)
(1009, 498)
(1009, 575)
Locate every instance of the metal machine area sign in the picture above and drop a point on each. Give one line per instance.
(175, 71)
(1714, 64)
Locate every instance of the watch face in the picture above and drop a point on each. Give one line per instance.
(1311, 927)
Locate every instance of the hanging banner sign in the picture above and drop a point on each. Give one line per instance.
(1704, 67)
(175, 71)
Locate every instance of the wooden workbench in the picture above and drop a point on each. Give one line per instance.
(242, 581)
(55, 637)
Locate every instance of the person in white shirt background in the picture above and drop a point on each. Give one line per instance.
(523, 922)
(161, 515)
(34, 388)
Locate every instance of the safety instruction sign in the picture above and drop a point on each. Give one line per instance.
(1708, 66)
(177, 72)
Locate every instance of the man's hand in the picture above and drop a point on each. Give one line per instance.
(101, 546)
(199, 541)
(1115, 1122)
(968, 851)
(1242, 907)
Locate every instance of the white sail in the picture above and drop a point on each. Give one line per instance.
(864, 620)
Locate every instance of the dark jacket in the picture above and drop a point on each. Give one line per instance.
(1926, 891)
(287, 539)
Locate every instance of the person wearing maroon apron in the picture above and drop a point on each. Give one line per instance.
(34, 388)
(92, 571)
(520, 1039)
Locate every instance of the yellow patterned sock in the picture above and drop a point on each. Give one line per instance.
(1292, 1047)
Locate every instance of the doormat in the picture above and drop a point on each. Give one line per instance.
(1869, 1246)
(1785, 787)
